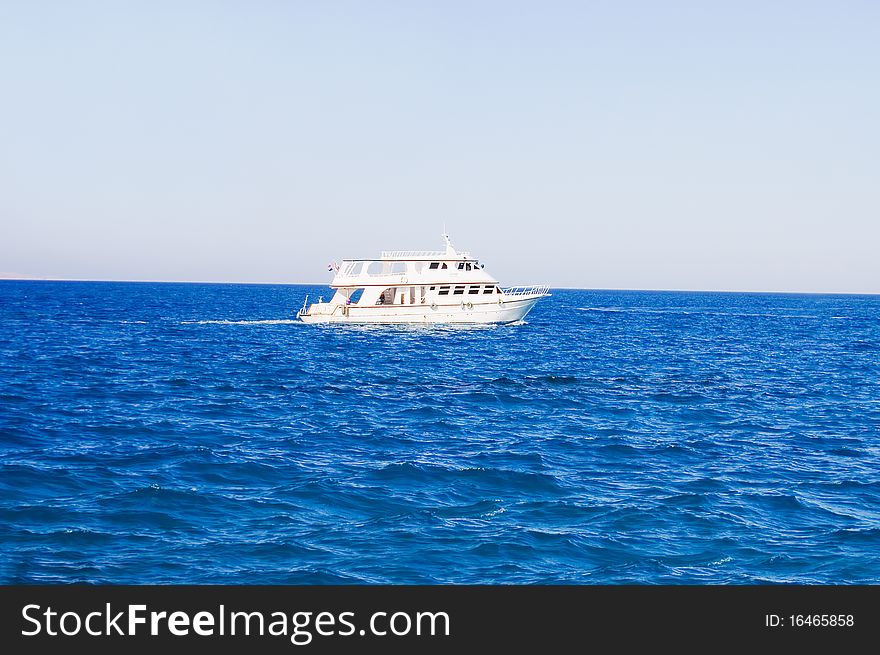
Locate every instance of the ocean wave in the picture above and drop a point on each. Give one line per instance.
(267, 321)
(698, 312)
(149, 435)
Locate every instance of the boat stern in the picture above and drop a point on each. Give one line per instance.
(319, 312)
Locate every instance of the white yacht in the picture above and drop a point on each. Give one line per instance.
(418, 286)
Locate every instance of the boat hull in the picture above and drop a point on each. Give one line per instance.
(506, 311)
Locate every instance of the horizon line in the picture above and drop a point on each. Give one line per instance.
(24, 278)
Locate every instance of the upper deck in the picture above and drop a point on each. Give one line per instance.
(436, 270)
(422, 255)
(409, 267)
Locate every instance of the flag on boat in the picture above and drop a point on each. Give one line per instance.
(332, 266)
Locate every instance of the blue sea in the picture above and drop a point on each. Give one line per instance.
(196, 433)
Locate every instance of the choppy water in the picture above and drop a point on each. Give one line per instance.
(195, 433)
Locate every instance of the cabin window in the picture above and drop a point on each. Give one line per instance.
(444, 291)
(488, 289)
(443, 267)
(432, 288)
(355, 296)
(434, 265)
(459, 290)
(461, 266)
(498, 289)
(474, 290)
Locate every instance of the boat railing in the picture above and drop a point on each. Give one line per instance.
(403, 254)
(515, 292)
(305, 307)
(398, 276)
(392, 277)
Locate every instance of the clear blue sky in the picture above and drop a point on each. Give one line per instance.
(643, 145)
